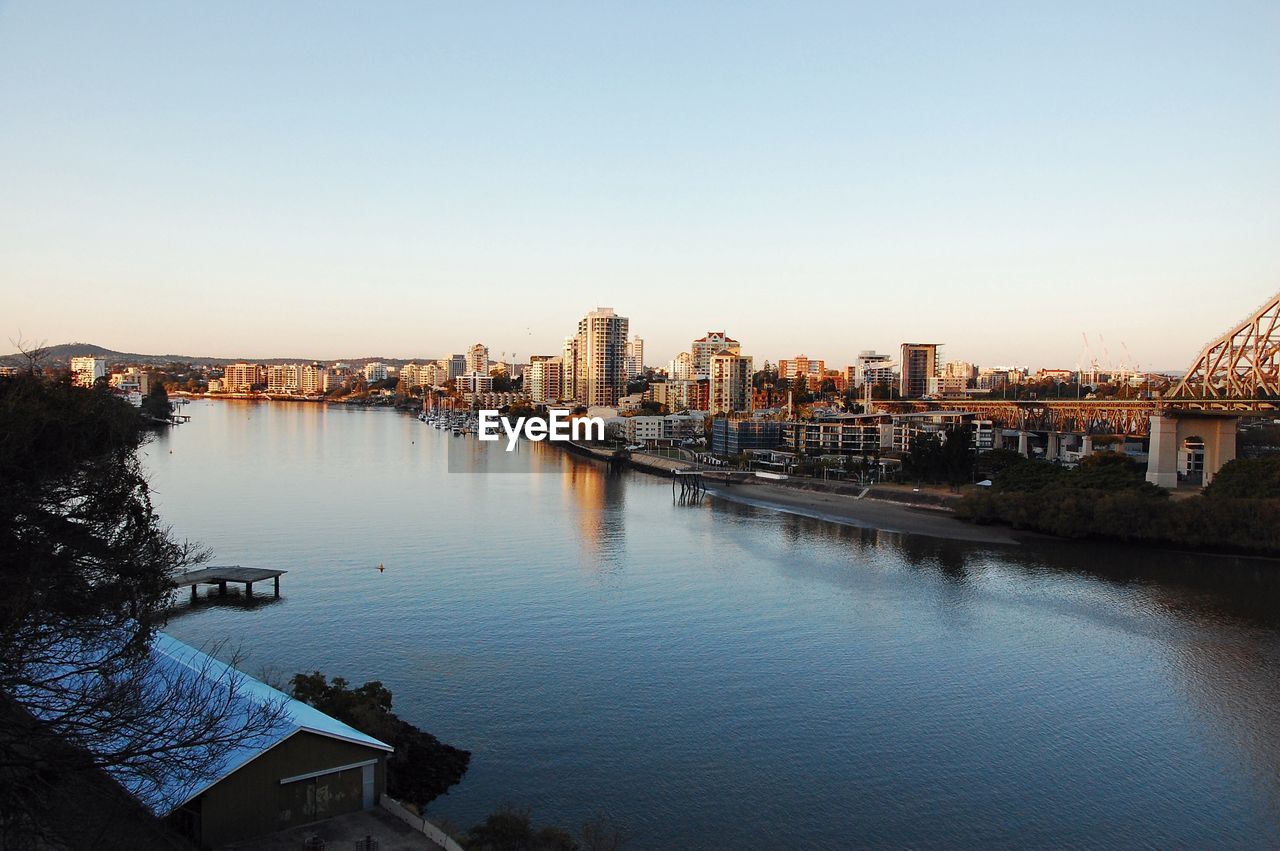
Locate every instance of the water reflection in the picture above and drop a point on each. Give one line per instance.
(724, 676)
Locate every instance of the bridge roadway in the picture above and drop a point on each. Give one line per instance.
(1131, 417)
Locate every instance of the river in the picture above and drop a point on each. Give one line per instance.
(720, 675)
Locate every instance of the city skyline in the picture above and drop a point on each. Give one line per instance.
(221, 183)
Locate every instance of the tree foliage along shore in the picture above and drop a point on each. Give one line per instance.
(1107, 497)
(422, 767)
(87, 566)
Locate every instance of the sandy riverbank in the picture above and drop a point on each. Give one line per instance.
(868, 513)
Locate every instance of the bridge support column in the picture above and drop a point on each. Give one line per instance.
(1024, 444)
(1219, 444)
(1053, 446)
(1086, 445)
(1168, 434)
(1162, 457)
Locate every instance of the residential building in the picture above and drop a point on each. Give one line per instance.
(311, 380)
(812, 370)
(474, 382)
(919, 363)
(947, 386)
(733, 437)
(908, 426)
(635, 358)
(682, 395)
(87, 369)
(681, 367)
(544, 379)
(601, 358)
(729, 383)
(855, 435)
(285, 378)
(242, 377)
(492, 401)
(375, 371)
(478, 358)
(131, 380)
(647, 430)
(872, 368)
(569, 369)
(704, 347)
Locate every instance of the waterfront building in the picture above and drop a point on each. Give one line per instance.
(930, 423)
(919, 363)
(729, 383)
(375, 371)
(733, 437)
(311, 381)
(477, 359)
(704, 347)
(285, 378)
(600, 358)
(853, 435)
(646, 430)
(87, 369)
(242, 377)
(543, 379)
(491, 401)
(264, 783)
(332, 379)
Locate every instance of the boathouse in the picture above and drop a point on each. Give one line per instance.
(309, 768)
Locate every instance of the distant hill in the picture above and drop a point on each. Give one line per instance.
(61, 355)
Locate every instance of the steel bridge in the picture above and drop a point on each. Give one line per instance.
(1236, 375)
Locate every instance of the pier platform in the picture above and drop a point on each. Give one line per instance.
(220, 576)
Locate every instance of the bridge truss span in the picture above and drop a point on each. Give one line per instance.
(1243, 364)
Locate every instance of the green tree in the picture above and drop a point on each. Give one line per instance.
(1246, 478)
(87, 570)
(156, 403)
(422, 767)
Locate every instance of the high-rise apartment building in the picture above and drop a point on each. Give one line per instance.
(543, 379)
(713, 343)
(635, 358)
(475, 382)
(87, 369)
(919, 364)
(681, 367)
(478, 358)
(284, 378)
(872, 368)
(729, 387)
(375, 371)
(812, 370)
(242, 377)
(600, 358)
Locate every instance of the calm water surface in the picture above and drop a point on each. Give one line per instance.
(724, 676)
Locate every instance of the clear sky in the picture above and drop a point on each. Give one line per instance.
(403, 179)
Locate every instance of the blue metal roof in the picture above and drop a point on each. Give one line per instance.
(297, 717)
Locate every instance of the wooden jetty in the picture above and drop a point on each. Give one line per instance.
(690, 483)
(220, 576)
